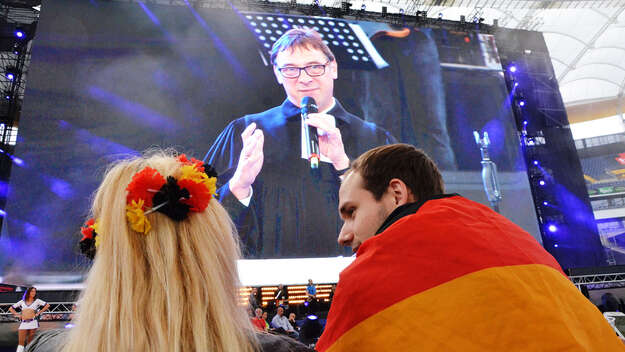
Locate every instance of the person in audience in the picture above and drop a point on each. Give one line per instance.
(254, 298)
(266, 320)
(281, 324)
(30, 308)
(258, 320)
(293, 322)
(164, 275)
(416, 247)
(609, 303)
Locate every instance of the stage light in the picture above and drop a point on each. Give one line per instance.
(541, 182)
(19, 33)
(552, 228)
(545, 203)
(555, 245)
(536, 162)
(512, 68)
(524, 123)
(10, 76)
(312, 317)
(522, 103)
(17, 160)
(3, 213)
(516, 84)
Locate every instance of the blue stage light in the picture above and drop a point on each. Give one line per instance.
(535, 162)
(19, 33)
(541, 182)
(3, 213)
(17, 161)
(10, 76)
(552, 228)
(525, 122)
(545, 203)
(522, 103)
(512, 68)
(516, 84)
(312, 317)
(555, 245)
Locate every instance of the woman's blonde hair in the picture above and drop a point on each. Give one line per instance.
(174, 289)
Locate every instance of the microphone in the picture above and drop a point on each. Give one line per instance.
(309, 106)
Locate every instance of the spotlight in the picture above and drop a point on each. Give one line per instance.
(524, 123)
(522, 103)
(536, 162)
(541, 182)
(17, 160)
(552, 228)
(512, 68)
(19, 33)
(545, 203)
(3, 213)
(10, 75)
(555, 245)
(516, 84)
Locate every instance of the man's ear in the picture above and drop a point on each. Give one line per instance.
(400, 192)
(334, 70)
(276, 72)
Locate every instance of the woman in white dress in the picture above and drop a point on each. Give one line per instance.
(30, 308)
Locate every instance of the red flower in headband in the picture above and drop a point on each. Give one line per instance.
(88, 230)
(144, 185)
(198, 163)
(200, 195)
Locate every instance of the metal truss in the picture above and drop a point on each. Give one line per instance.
(599, 281)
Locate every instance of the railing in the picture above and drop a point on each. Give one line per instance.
(57, 311)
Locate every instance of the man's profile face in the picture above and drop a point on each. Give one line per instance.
(292, 316)
(321, 88)
(280, 311)
(362, 215)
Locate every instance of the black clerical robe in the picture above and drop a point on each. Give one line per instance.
(293, 210)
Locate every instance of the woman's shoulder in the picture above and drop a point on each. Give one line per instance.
(280, 343)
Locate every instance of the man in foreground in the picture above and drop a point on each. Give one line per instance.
(436, 271)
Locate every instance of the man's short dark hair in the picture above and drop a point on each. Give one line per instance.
(300, 38)
(380, 165)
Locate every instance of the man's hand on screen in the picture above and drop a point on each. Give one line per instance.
(250, 162)
(330, 140)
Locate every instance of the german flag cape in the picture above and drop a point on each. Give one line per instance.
(456, 276)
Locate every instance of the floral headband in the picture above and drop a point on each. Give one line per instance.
(149, 191)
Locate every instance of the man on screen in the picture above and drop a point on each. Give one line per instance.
(281, 206)
(438, 272)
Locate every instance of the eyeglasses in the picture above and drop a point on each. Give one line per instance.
(311, 70)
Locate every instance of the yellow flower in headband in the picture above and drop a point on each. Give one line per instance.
(212, 185)
(136, 217)
(190, 172)
(98, 238)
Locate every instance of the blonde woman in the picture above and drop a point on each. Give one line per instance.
(30, 308)
(164, 276)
